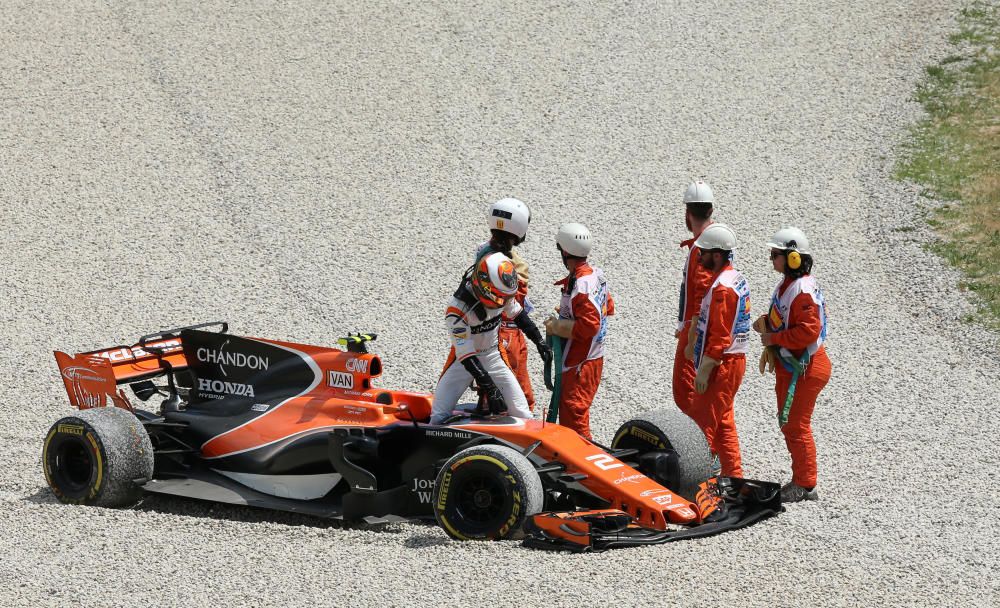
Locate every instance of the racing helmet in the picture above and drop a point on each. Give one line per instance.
(494, 280)
(574, 239)
(510, 215)
(717, 236)
(790, 238)
(699, 192)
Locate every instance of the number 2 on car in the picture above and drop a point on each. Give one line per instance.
(605, 462)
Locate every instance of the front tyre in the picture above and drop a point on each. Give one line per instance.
(671, 434)
(99, 456)
(486, 492)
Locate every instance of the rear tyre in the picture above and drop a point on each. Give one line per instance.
(670, 429)
(99, 457)
(486, 492)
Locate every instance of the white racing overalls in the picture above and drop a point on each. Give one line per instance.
(473, 329)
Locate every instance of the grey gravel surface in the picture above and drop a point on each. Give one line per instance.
(304, 169)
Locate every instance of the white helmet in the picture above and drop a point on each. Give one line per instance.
(699, 192)
(790, 238)
(574, 239)
(494, 280)
(717, 236)
(510, 215)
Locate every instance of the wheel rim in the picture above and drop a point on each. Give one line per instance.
(74, 465)
(481, 499)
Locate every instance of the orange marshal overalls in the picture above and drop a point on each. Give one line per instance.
(695, 283)
(802, 328)
(515, 348)
(713, 410)
(583, 359)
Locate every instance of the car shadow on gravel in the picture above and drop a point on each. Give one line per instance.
(168, 505)
(41, 496)
(423, 540)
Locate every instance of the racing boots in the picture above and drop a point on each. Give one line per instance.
(790, 492)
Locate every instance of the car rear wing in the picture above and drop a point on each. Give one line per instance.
(92, 377)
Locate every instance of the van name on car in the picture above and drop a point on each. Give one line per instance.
(339, 379)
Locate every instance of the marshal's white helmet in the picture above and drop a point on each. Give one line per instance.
(717, 236)
(494, 280)
(790, 238)
(510, 215)
(574, 239)
(699, 192)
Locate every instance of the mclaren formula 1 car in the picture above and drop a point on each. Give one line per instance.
(301, 428)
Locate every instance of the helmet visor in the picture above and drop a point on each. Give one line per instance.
(489, 295)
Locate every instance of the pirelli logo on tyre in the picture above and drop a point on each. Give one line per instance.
(646, 436)
(443, 492)
(70, 429)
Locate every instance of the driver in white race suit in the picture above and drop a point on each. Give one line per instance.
(473, 320)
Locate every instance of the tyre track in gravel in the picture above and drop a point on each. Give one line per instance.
(238, 202)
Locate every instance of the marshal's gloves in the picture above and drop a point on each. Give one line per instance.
(488, 390)
(520, 266)
(766, 335)
(704, 373)
(767, 359)
(766, 338)
(692, 337)
(563, 328)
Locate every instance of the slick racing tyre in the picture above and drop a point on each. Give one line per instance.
(669, 430)
(98, 456)
(486, 493)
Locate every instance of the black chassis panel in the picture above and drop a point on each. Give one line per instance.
(387, 471)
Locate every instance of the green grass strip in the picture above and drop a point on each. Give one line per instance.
(955, 154)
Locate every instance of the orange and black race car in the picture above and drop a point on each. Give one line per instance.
(302, 428)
